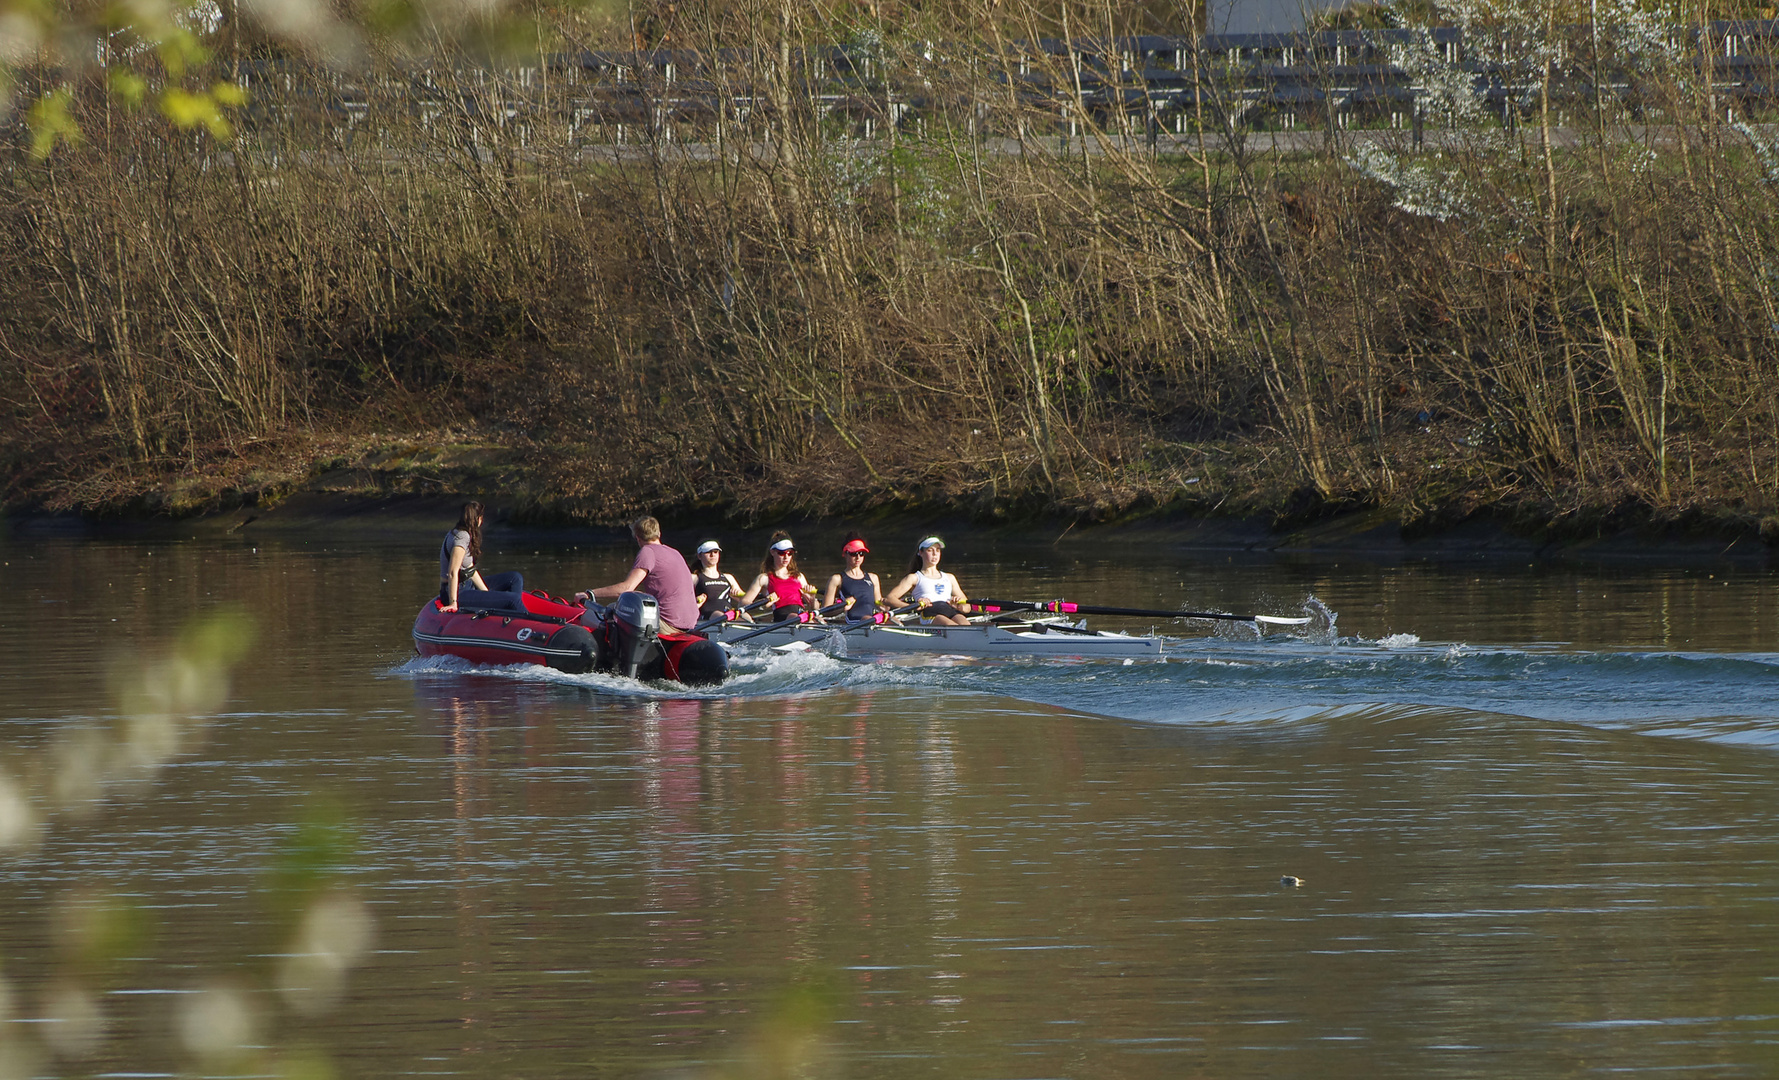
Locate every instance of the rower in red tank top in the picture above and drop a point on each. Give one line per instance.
(788, 592)
(779, 576)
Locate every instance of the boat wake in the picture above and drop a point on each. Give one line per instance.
(1718, 697)
(755, 674)
(1299, 680)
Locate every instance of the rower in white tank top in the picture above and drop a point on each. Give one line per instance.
(932, 590)
(941, 599)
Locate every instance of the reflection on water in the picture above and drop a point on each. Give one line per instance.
(671, 794)
(1532, 812)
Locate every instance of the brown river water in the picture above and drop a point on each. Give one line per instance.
(1531, 810)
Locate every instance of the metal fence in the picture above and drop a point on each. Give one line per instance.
(1135, 87)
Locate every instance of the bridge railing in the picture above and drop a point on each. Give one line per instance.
(1149, 86)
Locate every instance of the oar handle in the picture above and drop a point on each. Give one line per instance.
(731, 615)
(879, 618)
(1020, 605)
(802, 617)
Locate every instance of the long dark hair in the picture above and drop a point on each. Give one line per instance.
(470, 521)
(917, 564)
(766, 566)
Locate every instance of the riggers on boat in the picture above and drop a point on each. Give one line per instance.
(1037, 638)
(624, 639)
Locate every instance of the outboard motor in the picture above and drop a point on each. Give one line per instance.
(634, 627)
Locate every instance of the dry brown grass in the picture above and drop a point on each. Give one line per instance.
(803, 325)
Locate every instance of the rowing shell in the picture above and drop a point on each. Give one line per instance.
(1034, 639)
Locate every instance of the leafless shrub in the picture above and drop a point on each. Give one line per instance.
(935, 284)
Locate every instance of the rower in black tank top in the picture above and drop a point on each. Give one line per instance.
(718, 596)
(863, 595)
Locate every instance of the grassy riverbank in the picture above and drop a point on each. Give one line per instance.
(1568, 326)
(406, 488)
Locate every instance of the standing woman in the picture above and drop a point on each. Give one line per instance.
(941, 599)
(779, 575)
(715, 591)
(460, 582)
(854, 583)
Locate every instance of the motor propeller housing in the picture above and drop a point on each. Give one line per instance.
(634, 631)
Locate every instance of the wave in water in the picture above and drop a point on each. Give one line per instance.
(761, 673)
(1721, 697)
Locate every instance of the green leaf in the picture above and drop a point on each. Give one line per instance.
(184, 108)
(189, 110)
(221, 638)
(50, 123)
(180, 49)
(229, 95)
(127, 86)
(391, 16)
(323, 843)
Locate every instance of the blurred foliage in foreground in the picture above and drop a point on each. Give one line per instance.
(101, 930)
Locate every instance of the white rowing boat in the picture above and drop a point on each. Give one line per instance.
(1033, 639)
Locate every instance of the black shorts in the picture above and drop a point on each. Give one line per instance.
(786, 611)
(938, 607)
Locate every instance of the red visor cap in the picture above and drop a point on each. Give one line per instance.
(854, 545)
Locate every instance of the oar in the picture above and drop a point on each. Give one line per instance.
(727, 616)
(879, 619)
(1063, 607)
(769, 627)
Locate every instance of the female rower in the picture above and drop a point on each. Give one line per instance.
(780, 576)
(457, 570)
(941, 599)
(716, 592)
(854, 583)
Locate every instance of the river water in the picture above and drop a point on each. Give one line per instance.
(1531, 810)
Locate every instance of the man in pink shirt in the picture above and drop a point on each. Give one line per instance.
(659, 571)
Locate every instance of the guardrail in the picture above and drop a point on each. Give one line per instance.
(1136, 87)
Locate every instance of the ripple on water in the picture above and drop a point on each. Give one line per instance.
(1218, 681)
(753, 674)
(579, 875)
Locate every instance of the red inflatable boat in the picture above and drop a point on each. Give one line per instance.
(624, 639)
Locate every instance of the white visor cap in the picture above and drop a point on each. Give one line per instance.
(709, 546)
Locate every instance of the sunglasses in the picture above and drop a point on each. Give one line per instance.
(786, 552)
(855, 554)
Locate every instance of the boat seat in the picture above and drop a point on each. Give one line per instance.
(504, 603)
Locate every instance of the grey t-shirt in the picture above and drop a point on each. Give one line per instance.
(456, 538)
